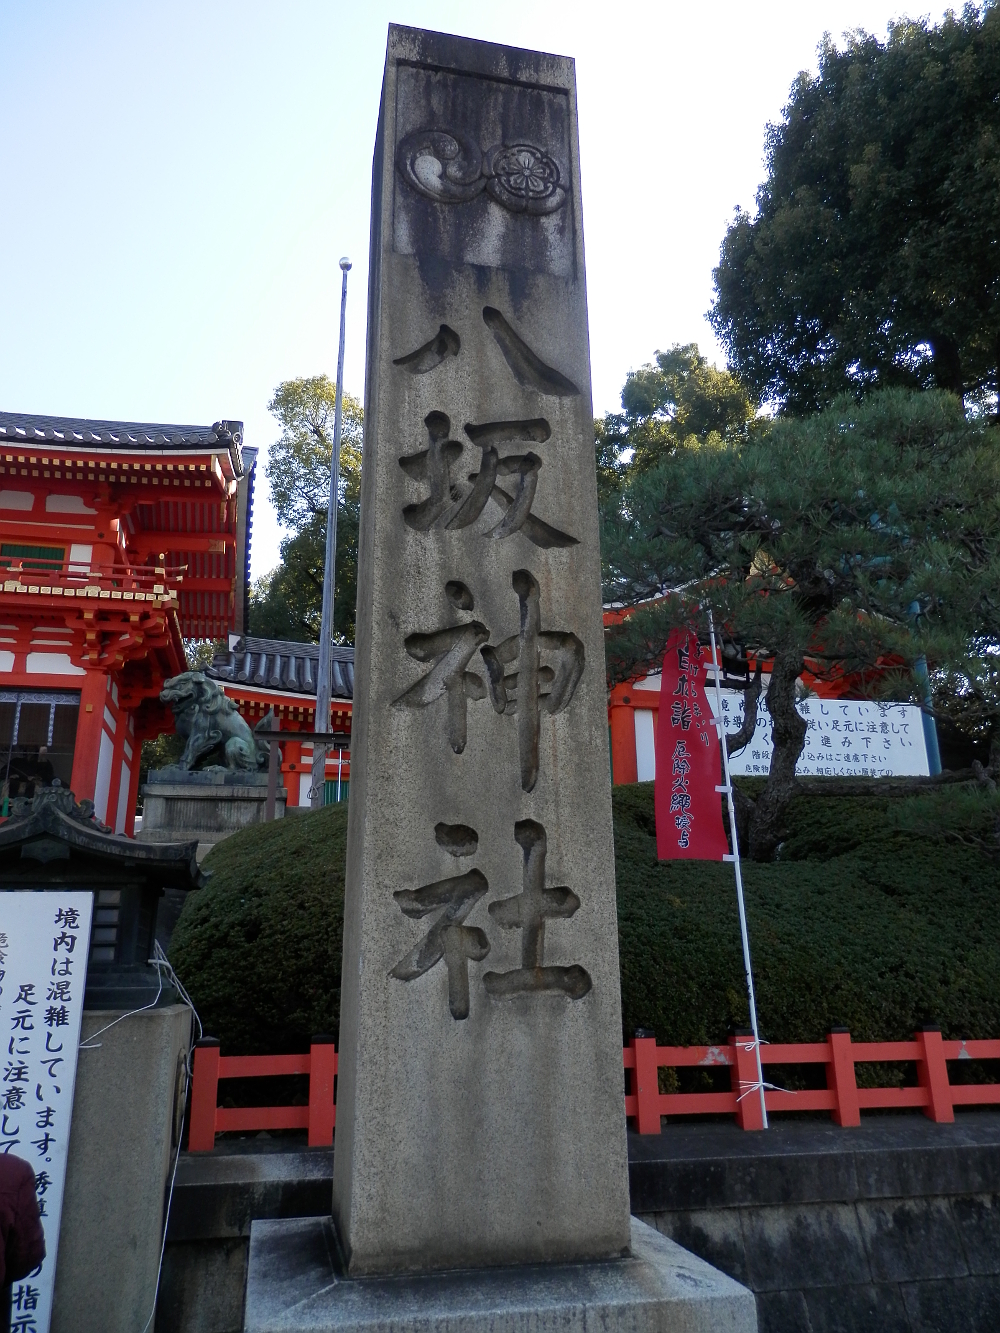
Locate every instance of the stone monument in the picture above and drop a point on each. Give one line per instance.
(480, 1118)
(219, 784)
(481, 1029)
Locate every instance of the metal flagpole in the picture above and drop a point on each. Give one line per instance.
(728, 789)
(330, 570)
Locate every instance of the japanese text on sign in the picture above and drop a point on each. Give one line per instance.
(844, 738)
(44, 941)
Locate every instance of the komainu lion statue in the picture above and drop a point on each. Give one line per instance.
(211, 725)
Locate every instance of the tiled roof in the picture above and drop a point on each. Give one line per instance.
(275, 664)
(24, 428)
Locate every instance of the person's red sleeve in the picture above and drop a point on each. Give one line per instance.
(26, 1241)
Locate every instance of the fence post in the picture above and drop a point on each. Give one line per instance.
(204, 1095)
(646, 1082)
(748, 1112)
(322, 1071)
(932, 1073)
(841, 1079)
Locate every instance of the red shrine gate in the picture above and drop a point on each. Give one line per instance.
(117, 540)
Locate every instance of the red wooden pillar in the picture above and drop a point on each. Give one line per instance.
(840, 1078)
(322, 1109)
(117, 762)
(133, 783)
(646, 1083)
(932, 1073)
(623, 761)
(748, 1109)
(204, 1095)
(86, 753)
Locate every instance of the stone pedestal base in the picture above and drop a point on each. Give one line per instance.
(293, 1287)
(208, 805)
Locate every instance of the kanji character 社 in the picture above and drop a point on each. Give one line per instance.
(528, 911)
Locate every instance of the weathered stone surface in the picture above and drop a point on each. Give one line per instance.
(202, 1287)
(293, 1286)
(800, 1245)
(206, 806)
(126, 1111)
(972, 1306)
(907, 1239)
(479, 1105)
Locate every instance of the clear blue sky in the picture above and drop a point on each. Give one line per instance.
(180, 180)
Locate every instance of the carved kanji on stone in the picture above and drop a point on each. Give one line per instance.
(455, 504)
(450, 649)
(549, 664)
(528, 912)
(448, 938)
(433, 466)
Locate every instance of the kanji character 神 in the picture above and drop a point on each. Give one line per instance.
(535, 687)
(450, 650)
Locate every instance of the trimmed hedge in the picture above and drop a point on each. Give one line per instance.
(259, 948)
(862, 923)
(858, 925)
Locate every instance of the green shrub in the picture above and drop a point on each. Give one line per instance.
(858, 925)
(862, 923)
(259, 948)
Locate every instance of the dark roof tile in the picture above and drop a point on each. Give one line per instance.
(275, 664)
(26, 428)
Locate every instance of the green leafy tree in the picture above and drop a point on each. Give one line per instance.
(873, 258)
(287, 603)
(855, 540)
(664, 403)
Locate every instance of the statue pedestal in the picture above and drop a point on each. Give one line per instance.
(207, 805)
(294, 1285)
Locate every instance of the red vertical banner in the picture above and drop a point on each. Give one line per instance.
(688, 761)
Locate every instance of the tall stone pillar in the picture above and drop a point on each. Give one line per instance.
(479, 1106)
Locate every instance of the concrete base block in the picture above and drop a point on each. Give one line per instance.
(207, 806)
(125, 1118)
(293, 1285)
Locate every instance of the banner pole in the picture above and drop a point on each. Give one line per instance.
(317, 789)
(728, 789)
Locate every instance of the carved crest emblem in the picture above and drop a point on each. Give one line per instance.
(449, 167)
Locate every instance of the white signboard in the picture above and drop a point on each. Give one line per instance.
(44, 938)
(846, 738)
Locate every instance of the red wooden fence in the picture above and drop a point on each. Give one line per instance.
(934, 1093)
(209, 1119)
(842, 1097)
